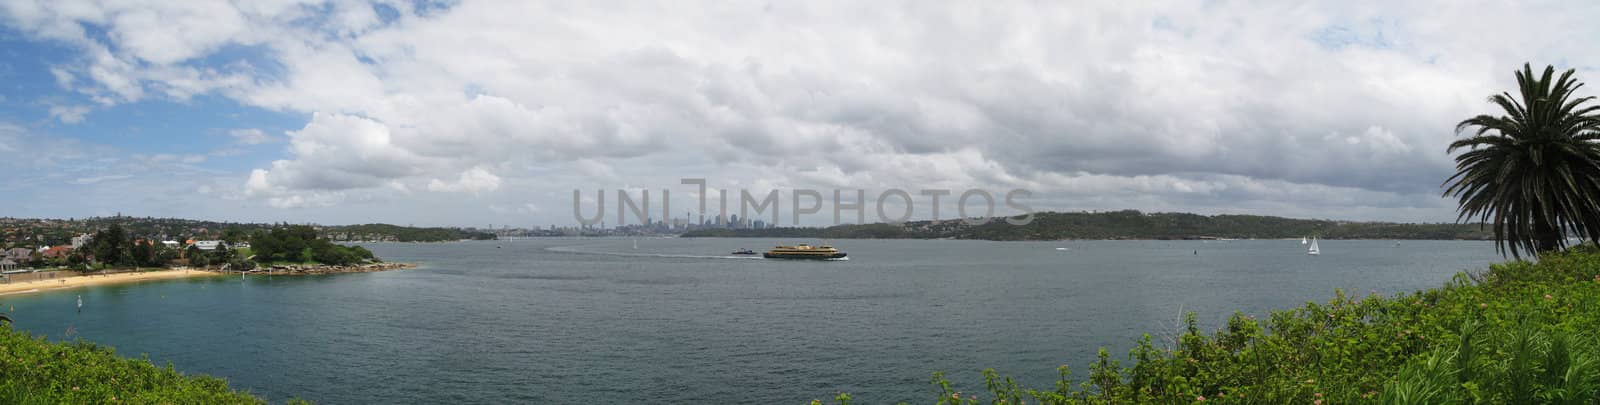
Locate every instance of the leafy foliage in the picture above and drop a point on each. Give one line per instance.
(114, 247)
(110, 245)
(1520, 332)
(1535, 171)
(299, 243)
(36, 371)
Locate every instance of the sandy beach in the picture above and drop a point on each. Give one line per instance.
(93, 280)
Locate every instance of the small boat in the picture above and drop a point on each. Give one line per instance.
(1314, 250)
(1062, 248)
(803, 251)
(1302, 240)
(743, 252)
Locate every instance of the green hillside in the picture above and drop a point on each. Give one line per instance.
(1124, 225)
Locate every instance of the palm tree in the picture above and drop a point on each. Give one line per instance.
(1535, 171)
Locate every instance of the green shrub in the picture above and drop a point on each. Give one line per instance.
(36, 371)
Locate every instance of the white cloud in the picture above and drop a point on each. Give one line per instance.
(69, 114)
(63, 77)
(471, 181)
(97, 179)
(250, 136)
(339, 152)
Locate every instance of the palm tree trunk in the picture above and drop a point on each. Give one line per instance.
(1547, 237)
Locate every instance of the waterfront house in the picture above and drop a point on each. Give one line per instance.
(7, 265)
(57, 252)
(170, 244)
(19, 255)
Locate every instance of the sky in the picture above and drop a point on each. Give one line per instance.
(491, 113)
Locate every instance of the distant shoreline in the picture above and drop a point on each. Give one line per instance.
(70, 282)
(1118, 225)
(90, 280)
(1060, 240)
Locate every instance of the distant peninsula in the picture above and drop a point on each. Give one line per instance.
(1128, 224)
(42, 255)
(48, 231)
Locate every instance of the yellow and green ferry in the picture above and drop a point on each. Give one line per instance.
(804, 251)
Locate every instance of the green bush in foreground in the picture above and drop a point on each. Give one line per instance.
(36, 371)
(1518, 333)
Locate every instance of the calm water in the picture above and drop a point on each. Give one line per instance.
(594, 320)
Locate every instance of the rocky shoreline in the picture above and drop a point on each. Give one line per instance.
(306, 270)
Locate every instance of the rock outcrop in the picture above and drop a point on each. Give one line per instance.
(300, 270)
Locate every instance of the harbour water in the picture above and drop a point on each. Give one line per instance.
(679, 320)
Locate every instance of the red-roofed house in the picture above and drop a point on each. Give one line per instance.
(57, 252)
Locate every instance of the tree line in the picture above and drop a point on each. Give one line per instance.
(114, 246)
(299, 243)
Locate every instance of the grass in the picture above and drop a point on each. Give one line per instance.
(1519, 332)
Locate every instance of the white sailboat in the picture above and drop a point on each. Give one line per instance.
(1314, 250)
(1302, 240)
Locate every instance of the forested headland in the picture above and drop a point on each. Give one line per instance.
(1127, 224)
